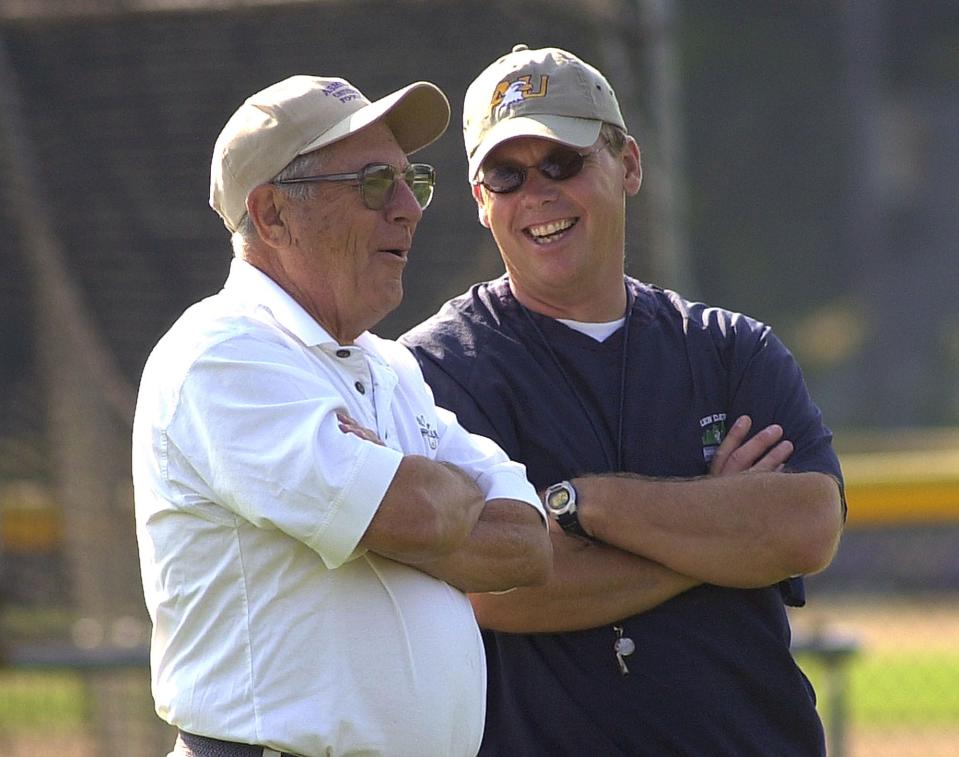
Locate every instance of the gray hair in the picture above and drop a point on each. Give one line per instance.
(301, 165)
(615, 137)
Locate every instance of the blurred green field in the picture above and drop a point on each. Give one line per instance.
(884, 688)
(895, 689)
(41, 700)
(902, 686)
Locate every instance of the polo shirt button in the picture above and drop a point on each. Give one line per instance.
(342, 353)
(359, 387)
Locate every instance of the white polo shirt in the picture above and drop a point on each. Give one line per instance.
(271, 625)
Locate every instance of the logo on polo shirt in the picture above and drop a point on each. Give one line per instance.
(714, 431)
(429, 433)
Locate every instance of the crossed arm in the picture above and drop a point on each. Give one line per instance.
(747, 524)
(434, 517)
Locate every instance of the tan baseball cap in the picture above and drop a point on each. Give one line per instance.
(303, 113)
(547, 93)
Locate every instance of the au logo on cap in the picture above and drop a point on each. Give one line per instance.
(509, 92)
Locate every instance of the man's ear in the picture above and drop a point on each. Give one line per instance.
(632, 160)
(267, 207)
(480, 204)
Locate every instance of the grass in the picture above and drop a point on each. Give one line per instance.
(38, 700)
(906, 676)
(886, 688)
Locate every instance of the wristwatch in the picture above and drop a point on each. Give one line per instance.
(560, 502)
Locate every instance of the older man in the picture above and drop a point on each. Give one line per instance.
(308, 519)
(663, 630)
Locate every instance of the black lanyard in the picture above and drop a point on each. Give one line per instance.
(617, 465)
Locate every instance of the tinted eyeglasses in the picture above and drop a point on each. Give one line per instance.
(376, 182)
(561, 164)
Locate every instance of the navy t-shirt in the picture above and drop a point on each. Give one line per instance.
(711, 673)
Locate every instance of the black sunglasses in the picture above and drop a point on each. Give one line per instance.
(561, 164)
(376, 182)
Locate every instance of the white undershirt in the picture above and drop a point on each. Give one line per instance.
(598, 331)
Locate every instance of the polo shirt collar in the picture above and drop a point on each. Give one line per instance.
(249, 284)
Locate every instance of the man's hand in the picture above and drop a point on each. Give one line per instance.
(766, 451)
(429, 510)
(746, 525)
(350, 426)
(506, 545)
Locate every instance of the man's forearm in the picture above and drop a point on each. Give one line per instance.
(508, 547)
(428, 511)
(591, 585)
(745, 530)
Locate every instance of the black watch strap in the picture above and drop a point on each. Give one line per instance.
(561, 503)
(569, 522)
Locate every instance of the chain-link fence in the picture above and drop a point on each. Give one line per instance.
(884, 660)
(106, 123)
(885, 668)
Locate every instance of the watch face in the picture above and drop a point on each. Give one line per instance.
(558, 499)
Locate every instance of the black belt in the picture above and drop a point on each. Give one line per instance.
(191, 745)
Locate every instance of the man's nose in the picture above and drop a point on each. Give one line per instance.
(538, 189)
(402, 205)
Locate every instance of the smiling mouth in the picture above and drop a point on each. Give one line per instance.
(546, 233)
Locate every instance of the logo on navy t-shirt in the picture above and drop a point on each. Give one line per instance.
(714, 431)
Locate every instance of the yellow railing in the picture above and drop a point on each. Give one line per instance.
(919, 484)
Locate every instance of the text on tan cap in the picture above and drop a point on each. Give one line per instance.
(304, 113)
